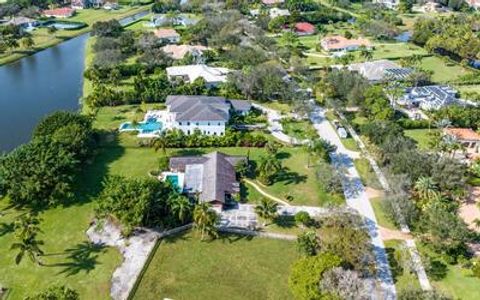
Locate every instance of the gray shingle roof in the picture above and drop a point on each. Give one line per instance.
(199, 108)
(217, 172)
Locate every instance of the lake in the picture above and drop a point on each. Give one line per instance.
(37, 85)
(40, 84)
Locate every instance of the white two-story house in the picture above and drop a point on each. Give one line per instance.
(207, 114)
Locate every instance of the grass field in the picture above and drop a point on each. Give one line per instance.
(299, 129)
(69, 258)
(443, 70)
(403, 279)
(421, 137)
(45, 40)
(380, 214)
(458, 282)
(232, 267)
(367, 174)
(350, 144)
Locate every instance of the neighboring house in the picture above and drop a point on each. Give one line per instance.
(278, 12)
(304, 28)
(212, 76)
(23, 22)
(179, 51)
(211, 176)
(207, 114)
(110, 5)
(64, 12)
(380, 70)
(164, 20)
(340, 43)
(474, 4)
(466, 136)
(167, 35)
(432, 97)
(272, 2)
(392, 4)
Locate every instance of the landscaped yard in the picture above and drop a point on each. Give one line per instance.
(232, 267)
(443, 71)
(458, 282)
(421, 136)
(69, 258)
(382, 218)
(299, 129)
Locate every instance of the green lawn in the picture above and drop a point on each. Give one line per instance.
(443, 70)
(403, 279)
(382, 218)
(396, 50)
(421, 137)
(350, 144)
(368, 176)
(231, 267)
(458, 283)
(68, 257)
(299, 129)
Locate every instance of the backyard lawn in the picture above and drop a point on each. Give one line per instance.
(299, 129)
(458, 283)
(69, 258)
(443, 71)
(421, 137)
(403, 279)
(231, 267)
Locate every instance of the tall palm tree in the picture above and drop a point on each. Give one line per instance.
(426, 189)
(26, 229)
(267, 210)
(205, 220)
(267, 167)
(160, 142)
(180, 206)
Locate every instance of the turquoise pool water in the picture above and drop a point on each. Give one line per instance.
(173, 179)
(151, 125)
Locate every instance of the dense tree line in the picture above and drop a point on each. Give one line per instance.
(41, 172)
(453, 35)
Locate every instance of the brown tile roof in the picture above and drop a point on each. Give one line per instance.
(465, 134)
(166, 33)
(179, 51)
(63, 11)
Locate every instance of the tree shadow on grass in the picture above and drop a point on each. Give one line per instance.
(88, 183)
(188, 152)
(285, 221)
(6, 228)
(232, 238)
(82, 257)
(283, 155)
(288, 177)
(182, 236)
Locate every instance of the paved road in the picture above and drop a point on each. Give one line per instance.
(356, 198)
(417, 262)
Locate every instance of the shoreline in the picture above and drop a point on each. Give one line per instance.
(57, 40)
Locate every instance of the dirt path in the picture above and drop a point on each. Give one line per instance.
(389, 234)
(255, 186)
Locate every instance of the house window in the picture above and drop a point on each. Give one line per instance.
(208, 123)
(188, 132)
(214, 133)
(204, 132)
(188, 123)
(197, 124)
(218, 123)
(208, 132)
(180, 123)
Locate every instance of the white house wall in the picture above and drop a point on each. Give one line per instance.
(207, 128)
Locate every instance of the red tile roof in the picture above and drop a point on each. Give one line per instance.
(63, 12)
(304, 27)
(464, 134)
(166, 33)
(340, 42)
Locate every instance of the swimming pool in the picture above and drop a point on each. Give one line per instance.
(150, 126)
(176, 179)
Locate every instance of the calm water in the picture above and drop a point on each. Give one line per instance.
(37, 85)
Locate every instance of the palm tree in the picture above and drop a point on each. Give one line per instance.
(426, 189)
(180, 206)
(267, 167)
(267, 210)
(160, 142)
(26, 229)
(365, 53)
(27, 42)
(205, 220)
(476, 222)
